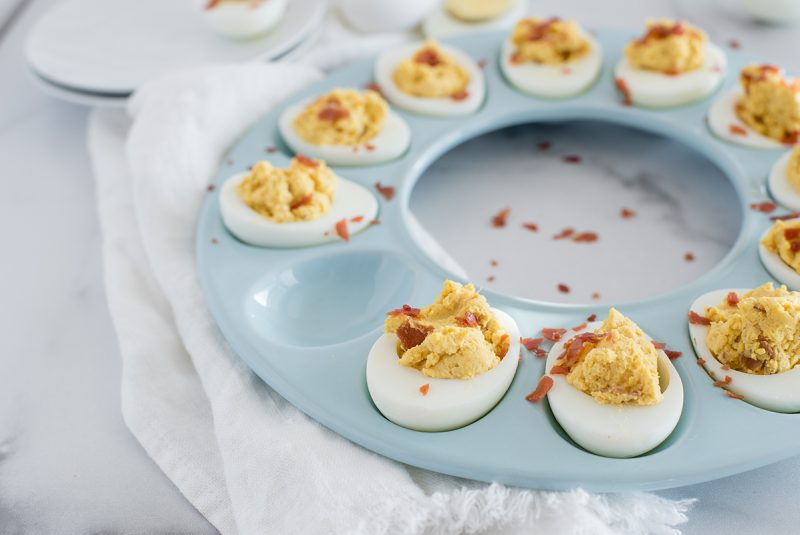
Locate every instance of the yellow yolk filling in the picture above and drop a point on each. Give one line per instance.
(342, 117)
(456, 337)
(771, 103)
(669, 47)
(301, 192)
(549, 42)
(784, 238)
(477, 10)
(759, 334)
(793, 169)
(620, 366)
(431, 73)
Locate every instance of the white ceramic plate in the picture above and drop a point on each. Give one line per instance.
(107, 46)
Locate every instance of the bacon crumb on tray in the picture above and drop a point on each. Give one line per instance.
(544, 386)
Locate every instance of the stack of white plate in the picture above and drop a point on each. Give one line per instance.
(97, 52)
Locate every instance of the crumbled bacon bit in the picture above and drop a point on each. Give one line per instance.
(302, 201)
(405, 310)
(791, 233)
(726, 367)
(697, 319)
(374, 86)
(544, 386)
(545, 145)
(468, 320)
(427, 56)
(627, 213)
(689, 257)
(566, 70)
(765, 207)
(734, 44)
(672, 355)
(210, 188)
(559, 370)
(214, 241)
(623, 88)
(737, 130)
(732, 298)
(375, 222)
(369, 146)
(790, 215)
(580, 327)
(483, 62)
(658, 345)
(592, 318)
(554, 335)
(563, 288)
(733, 395)
(531, 344)
(305, 160)
(595, 296)
(411, 335)
(701, 362)
(458, 96)
(333, 111)
(424, 389)
(342, 231)
(503, 346)
(499, 219)
(386, 191)
(586, 237)
(270, 150)
(566, 233)
(793, 137)
(576, 346)
(490, 278)
(571, 158)
(728, 380)
(541, 353)
(533, 227)
(493, 263)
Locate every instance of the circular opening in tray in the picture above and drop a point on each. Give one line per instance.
(662, 213)
(329, 299)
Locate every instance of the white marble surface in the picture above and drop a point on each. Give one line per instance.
(67, 462)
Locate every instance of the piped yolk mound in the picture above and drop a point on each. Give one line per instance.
(616, 364)
(669, 47)
(793, 169)
(431, 73)
(784, 239)
(301, 192)
(771, 103)
(343, 117)
(456, 337)
(549, 42)
(477, 10)
(758, 333)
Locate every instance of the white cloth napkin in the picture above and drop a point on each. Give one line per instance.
(244, 457)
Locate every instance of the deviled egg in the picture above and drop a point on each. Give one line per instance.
(763, 113)
(614, 392)
(243, 19)
(304, 204)
(443, 366)
(345, 127)
(455, 17)
(780, 252)
(749, 341)
(551, 58)
(671, 64)
(431, 79)
(784, 179)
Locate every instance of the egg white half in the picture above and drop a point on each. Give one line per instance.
(449, 403)
(441, 106)
(776, 267)
(440, 23)
(389, 144)
(722, 114)
(351, 200)
(553, 81)
(244, 20)
(779, 185)
(658, 90)
(779, 392)
(615, 430)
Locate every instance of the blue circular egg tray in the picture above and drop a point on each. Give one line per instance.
(305, 319)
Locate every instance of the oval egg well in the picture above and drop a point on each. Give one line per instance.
(328, 299)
